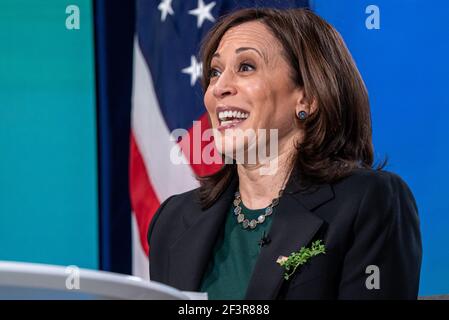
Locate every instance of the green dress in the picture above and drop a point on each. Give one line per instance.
(234, 257)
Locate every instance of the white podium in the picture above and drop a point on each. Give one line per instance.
(43, 282)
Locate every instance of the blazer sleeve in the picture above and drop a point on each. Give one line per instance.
(157, 242)
(155, 218)
(384, 259)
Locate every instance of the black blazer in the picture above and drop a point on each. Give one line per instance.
(367, 218)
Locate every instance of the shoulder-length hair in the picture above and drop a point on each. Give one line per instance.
(337, 136)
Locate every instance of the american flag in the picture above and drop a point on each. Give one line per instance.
(166, 96)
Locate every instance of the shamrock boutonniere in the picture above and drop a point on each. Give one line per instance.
(291, 263)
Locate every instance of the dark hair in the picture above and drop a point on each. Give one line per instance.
(337, 136)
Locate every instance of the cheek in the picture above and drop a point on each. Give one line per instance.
(284, 119)
(264, 104)
(275, 108)
(259, 96)
(208, 102)
(256, 91)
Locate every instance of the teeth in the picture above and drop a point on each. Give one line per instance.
(229, 115)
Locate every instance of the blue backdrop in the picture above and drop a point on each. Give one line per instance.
(405, 67)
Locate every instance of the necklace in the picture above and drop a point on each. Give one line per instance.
(260, 219)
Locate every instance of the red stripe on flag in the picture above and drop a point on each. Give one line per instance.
(144, 200)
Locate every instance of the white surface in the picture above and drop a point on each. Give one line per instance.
(196, 295)
(40, 281)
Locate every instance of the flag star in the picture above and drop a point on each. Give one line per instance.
(203, 12)
(165, 8)
(195, 70)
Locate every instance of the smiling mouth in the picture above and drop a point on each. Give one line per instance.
(229, 117)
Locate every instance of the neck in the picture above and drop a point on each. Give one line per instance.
(258, 190)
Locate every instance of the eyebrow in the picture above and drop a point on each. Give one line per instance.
(241, 49)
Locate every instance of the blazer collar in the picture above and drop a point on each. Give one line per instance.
(294, 225)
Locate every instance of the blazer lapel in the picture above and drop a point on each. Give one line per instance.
(190, 254)
(293, 226)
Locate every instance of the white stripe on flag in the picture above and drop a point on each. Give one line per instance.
(140, 264)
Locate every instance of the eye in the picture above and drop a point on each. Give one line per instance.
(245, 67)
(213, 73)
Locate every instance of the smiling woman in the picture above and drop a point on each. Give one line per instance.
(289, 71)
(294, 73)
(248, 61)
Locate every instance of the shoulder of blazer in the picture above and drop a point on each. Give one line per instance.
(378, 188)
(171, 209)
(364, 179)
(381, 195)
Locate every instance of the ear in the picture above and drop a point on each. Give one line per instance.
(303, 103)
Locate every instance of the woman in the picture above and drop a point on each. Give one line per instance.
(234, 237)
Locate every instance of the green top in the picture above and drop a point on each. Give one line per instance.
(234, 257)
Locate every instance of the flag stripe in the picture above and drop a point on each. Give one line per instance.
(143, 198)
(140, 263)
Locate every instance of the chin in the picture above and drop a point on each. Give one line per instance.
(240, 151)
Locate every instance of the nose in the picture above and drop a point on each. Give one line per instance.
(224, 86)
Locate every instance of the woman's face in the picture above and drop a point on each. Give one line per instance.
(250, 86)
